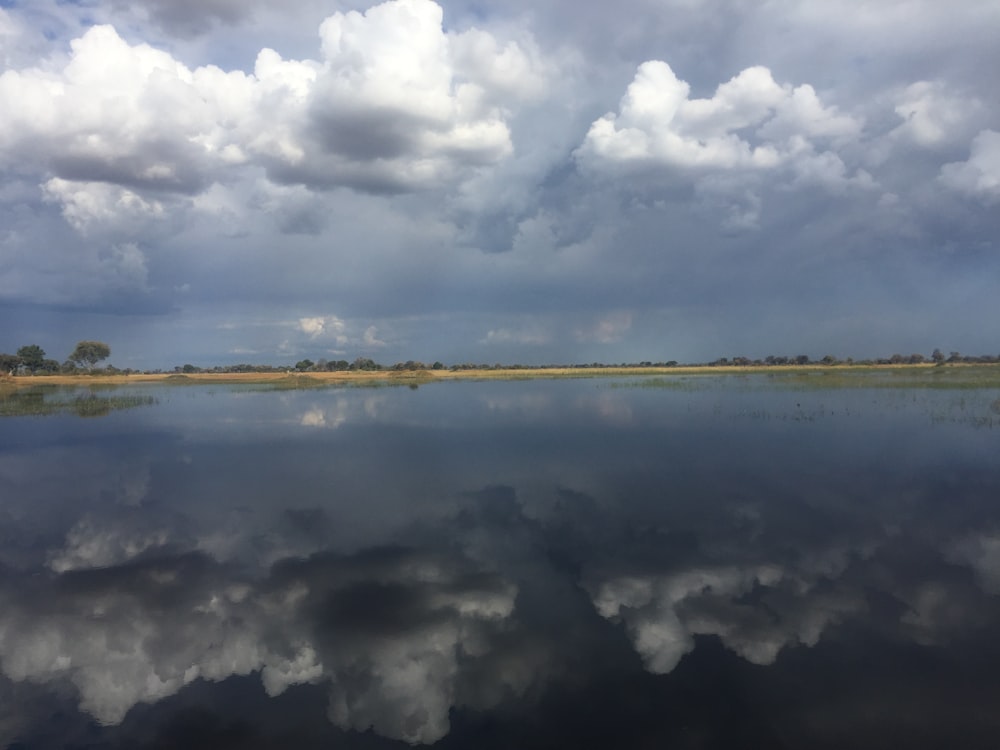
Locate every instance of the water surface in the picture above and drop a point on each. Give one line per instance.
(711, 562)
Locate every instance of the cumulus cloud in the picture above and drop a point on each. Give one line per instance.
(750, 123)
(312, 326)
(979, 175)
(115, 113)
(932, 115)
(87, 205)
(395, 103)
(390, 110)
(370, 337)
(324, 326)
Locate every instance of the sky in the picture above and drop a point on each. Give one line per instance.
(222, 181)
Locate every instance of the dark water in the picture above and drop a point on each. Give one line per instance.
(717, 564)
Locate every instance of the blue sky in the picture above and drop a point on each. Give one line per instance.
(225, 181)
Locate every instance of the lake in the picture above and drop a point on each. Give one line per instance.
(693, 562)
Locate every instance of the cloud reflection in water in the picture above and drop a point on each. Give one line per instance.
(435, 571)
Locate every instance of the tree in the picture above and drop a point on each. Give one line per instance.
(9, 363)
(31, 357)
(303, 365)
(364, 363)
(90, 353)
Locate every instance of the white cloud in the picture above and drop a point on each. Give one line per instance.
(370, 337)
(85, 204)
(392, 108)
(979, 175)
(329, 326)
(130, 115)
(750, 123)
(824, 169)
(388, 108)
(932, 115)
(312, 326)
(513, 70)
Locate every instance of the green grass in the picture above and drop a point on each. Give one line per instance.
(43, 401)
(965, 377)
(948, 378)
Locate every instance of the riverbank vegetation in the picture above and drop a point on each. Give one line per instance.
(30, 366)
(955, 375)
(46, 400)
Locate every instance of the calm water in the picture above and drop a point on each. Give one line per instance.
(720, 563)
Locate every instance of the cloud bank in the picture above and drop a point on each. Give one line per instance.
(441, 170)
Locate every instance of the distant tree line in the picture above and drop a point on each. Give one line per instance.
(32, 360)
(936, 357)
(366, 364)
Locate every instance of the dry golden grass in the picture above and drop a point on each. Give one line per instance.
(278, 378)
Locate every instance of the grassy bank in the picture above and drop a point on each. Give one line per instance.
(924, 375)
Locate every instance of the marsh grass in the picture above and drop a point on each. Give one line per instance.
(43, 401)
(974, 388)
(814, 378)
(947, 378)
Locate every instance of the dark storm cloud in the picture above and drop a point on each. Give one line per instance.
(193, 17)
(134, 172)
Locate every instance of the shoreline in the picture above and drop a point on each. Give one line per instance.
(429, 376)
